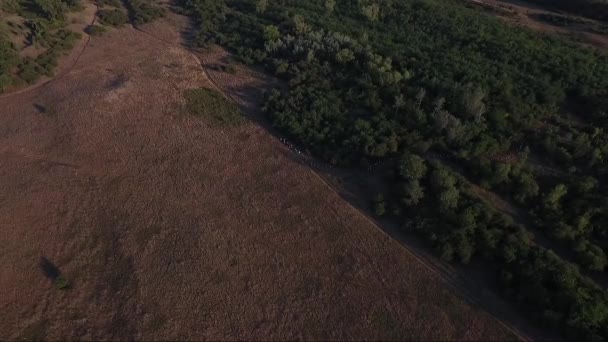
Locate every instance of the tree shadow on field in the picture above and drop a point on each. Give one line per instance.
(40, 108)
(49, 269)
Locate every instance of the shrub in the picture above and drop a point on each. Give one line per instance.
(95, 30)
(205, 102)
(62, 284)
(113, 17)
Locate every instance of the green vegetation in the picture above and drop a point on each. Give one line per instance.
(44, 26)
(208, 103)
(141, 11)
(113, 17)
(95, 30)
(8, 60)
(448, 96)
(62, 283)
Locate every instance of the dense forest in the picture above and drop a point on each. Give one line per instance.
(455, 101)
(44, 28)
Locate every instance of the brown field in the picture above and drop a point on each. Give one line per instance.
(170, 227)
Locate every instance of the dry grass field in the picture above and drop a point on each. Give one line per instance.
(169, 226)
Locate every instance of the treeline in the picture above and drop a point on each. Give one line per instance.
(442, 88)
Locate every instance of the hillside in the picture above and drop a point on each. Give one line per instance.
(131, 210)
(449, 105)
(328, 169)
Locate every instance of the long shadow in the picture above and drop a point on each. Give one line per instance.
(49, 269)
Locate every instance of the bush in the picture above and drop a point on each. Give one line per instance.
(95, 30)
(113, 17)
(205, 102)
(62, 284)
(142, 12)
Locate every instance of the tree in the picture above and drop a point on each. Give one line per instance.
(438, 105)
(525, 187)
(261, 5)
(330, 5)
(300, 24)
(554, 196)
(399, 102)
(448, 199)
(271, 33)
(472, 100)
(379, 205)
(412, 167)
(587, 185)
(344, 56)
(592, 256)
(464, 248)
(38, 30)
(442, 179)
(371, 11)
(51, 9)
(420, 97)
(413, 192)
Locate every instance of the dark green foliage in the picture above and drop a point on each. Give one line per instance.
(143, 11)
(95, 30)
(45, 21)
(113, 17)
(8, 60)
(438, 90)
(62, 283)
(379, 205)
(207, 103)
(208, 14)
(112, 3)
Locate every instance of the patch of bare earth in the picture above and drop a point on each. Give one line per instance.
(169, 227)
